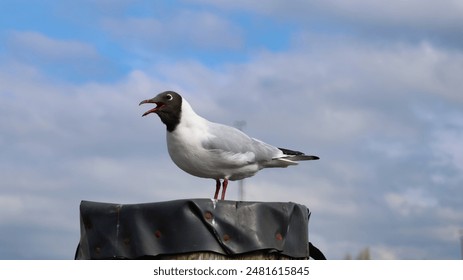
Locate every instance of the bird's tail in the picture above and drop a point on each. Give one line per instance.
(296, 155)
(291, 158)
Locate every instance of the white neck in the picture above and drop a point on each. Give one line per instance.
(189, 116)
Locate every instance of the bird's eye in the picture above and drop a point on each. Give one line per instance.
(169, 97)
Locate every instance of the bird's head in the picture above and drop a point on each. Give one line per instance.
(168, 108)
(166, 102)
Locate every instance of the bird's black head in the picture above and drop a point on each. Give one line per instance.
(168, 108)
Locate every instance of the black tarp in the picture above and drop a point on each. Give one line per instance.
(134, 231)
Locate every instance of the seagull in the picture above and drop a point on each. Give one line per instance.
(211, 150)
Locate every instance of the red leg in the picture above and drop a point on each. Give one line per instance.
(224, 188)
(217, 188)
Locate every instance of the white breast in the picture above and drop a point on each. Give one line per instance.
(185, 146)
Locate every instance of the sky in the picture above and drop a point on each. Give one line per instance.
(373, 88)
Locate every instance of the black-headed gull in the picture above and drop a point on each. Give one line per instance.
(211, 150)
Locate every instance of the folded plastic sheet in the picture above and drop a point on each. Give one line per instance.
(148, 230)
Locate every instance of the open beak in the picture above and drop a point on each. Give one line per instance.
(159, 105)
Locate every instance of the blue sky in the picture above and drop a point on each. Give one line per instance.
(372, 87)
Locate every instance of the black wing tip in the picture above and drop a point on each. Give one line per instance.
(306, 157)
(291, 152)
(297, 153)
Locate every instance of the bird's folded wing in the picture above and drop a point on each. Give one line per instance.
(232, 142)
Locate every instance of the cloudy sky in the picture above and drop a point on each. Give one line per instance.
(374, 88)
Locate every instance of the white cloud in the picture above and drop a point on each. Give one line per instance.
(32, 44)
(448, 146)
(183, 31)
(411, 202)
(62, 59)
(401, 13)
(416, 13)
(10, 207)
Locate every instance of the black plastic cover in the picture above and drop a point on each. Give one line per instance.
(133, 231)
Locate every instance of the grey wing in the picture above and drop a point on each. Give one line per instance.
(234, 143)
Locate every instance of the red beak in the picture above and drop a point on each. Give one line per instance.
(159, 105)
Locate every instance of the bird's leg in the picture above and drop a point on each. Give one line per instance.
(217, 188)
(224, 187)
